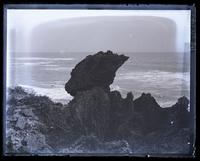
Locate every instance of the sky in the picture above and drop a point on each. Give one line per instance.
(94, 30)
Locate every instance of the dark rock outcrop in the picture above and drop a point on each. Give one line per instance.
(151, 112)
(100, 113)
(156, 118)
(120, 111)
(96, 70)
(97, 120)
(90, 110)
(178, 114)
(97, 110)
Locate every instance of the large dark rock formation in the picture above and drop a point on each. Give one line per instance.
(157, 118)
(178, 114)
(90, 110)
(96, 120)
(95, 108)
(98, 111)
(96, 70)
(153, 117)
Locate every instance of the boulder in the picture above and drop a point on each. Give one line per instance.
(96, 70)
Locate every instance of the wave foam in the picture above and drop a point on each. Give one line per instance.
(56, 93)
(156, 77)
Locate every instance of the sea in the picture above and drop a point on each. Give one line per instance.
(165, 75)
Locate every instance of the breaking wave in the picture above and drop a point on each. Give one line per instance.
(57, 93)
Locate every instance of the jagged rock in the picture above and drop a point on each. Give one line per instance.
(157, 118)
(96, 119)
(23, 136)
(146, 103)
(96, 70)
(28, 121)
(100, 113)
(178, 114)
(121, 110)
(182, 104)
(150, 111)
(93, 105)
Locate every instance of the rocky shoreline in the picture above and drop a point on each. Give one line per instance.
(96, 120)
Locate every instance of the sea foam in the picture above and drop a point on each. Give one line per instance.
(57, 94)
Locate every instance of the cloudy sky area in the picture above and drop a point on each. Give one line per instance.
(94, 30)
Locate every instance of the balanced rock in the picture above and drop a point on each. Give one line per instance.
(96, 70)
